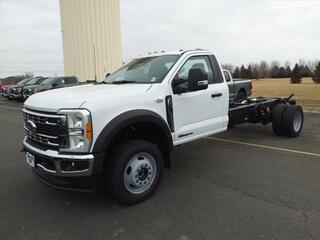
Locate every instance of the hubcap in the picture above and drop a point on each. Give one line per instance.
(297, 121)
(140, 173)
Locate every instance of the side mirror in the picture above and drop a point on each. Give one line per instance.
(198, 79)
(108, 74)
(54, 85)
(179, 85)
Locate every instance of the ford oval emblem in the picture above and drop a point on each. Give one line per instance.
(31, 126)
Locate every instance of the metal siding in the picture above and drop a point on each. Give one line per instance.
(87, 23)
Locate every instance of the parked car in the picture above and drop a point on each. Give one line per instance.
(8, 90)
(10, 81)
(16, 91)
(239, 89)
(123, 132)
(52, 83)
(31, 87)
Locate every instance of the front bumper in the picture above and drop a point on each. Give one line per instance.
(26, 95)
(65, 171)
(15, 96)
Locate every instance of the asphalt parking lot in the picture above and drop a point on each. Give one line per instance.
(242, 184)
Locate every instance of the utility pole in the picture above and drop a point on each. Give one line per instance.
(94, 62)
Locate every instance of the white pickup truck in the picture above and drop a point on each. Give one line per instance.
(123, 130)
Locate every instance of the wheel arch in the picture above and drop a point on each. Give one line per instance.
(143, 120)
(242, 89)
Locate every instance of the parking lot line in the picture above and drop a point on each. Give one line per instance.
(11, 108)
(264, 146)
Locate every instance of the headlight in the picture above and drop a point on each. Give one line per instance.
(79, 130)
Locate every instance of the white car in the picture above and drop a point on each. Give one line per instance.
(123, 130)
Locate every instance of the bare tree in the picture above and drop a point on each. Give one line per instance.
(302, 62)
(287, 64)
(255, 70)
(312, 64)
(274, 64)
(274, 69)
(28, 74)
(263, 69)
(228, 66)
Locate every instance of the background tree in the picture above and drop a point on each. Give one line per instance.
(274, 69)
(296, 74)
(274, 72)
(28, 74)
(312, 64)
(255, 71)
(282, 72)
(288, 72)
(236, 73)
(305, 71)
(287, 64)
(249, 72)
(264, 69)
(228, 66)
(243, 72)
(316, 74)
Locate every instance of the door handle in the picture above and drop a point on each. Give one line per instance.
(216, 95)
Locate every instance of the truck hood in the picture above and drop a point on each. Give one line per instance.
(75, 97)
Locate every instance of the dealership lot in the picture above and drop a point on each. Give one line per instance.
(242, 184)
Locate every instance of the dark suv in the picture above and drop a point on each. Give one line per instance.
(10, 90)
(50, 83)
(15, 91)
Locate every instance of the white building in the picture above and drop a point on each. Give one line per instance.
(91, 37)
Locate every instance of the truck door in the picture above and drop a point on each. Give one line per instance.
(203, 112)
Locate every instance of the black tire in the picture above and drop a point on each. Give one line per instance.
(117, 170)
(277, 116)
(241, 95)
(292, 121)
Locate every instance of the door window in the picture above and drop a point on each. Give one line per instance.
(60, 82)
(201, 62)
(70, 80)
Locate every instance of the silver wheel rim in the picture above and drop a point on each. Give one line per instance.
(297, 120)
(140, 173)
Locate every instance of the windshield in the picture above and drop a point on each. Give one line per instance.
(34, 81)
(48, 81)
(24, 81)
(143, 70)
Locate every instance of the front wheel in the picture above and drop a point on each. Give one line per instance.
(135, 171)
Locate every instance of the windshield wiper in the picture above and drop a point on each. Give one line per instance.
(123, 81)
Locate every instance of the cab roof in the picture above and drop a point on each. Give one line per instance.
(178, 52)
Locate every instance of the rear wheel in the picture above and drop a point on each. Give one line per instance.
(135, 171)
(277, 116)
(292, 122)
(241, 95)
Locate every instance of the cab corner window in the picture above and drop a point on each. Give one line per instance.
(226, 76)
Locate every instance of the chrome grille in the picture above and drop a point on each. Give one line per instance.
(26, 91)
(51, 129)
